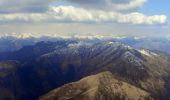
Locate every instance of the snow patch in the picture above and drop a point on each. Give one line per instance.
(148, 53)
(132, 59)
(145, 52)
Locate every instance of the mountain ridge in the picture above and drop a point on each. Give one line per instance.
(102, 86)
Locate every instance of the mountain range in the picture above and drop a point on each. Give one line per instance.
(74, 69)
(16, 42)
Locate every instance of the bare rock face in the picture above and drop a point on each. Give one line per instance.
(102, 86)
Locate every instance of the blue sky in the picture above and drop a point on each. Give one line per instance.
(123, 17)
(156, 7)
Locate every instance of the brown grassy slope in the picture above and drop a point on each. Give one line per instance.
(102, 86)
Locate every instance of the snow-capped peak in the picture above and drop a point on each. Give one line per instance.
(58, 35)
(20, 36)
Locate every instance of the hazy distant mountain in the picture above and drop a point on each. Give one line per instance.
(160, 44)
(31, 52)
(17, 41)
(14, 43)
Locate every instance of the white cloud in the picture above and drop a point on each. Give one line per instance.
(132, 4)
(73, 14)
(107, 11)
(116, 5)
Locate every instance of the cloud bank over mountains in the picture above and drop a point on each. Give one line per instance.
(76, 11)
